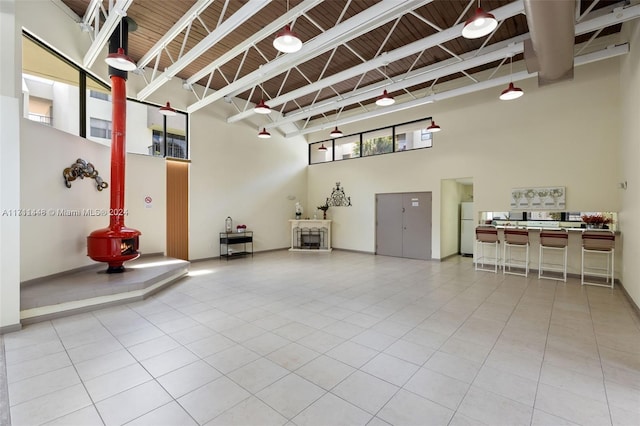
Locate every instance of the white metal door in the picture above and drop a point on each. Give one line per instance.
(389, 224)
(416, 235)
(403, 225)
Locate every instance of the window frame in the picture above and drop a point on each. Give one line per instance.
(83, 76)
(332, 141)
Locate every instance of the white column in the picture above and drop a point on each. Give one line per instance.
(10, 74)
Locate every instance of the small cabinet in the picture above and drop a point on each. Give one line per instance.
(236, 244)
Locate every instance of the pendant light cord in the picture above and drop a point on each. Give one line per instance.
(511, 68)
(120, 25)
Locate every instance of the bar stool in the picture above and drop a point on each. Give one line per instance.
(554, 241)
(487, 236)
(519, 239)
(600, 243)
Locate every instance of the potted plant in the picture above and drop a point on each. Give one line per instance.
(596, 221)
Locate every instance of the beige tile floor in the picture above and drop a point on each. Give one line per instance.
(336, 339)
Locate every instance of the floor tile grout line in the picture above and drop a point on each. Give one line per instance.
(337, 384)
(419, 367)
(546, 342)
(153, 378)
(430, 356)
(79, 378)
(201, 359)
(604, 381)
(503, 282)
(255, 395)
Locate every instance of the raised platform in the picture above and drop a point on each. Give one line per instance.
(92, 288)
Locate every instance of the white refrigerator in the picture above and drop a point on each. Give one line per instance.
(467, 228)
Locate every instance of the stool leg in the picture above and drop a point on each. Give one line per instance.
(582, 269)
(504, 258)
(540, 262)
(476, 258)
(613, 259)
(564, 274)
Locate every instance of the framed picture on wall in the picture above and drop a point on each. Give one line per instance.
(548, 198)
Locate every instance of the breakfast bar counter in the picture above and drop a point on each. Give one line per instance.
(574, 252)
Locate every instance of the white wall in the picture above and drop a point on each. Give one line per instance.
(65, 108)
(146, 177)
(629, 157)
(56, 243)
(566, 134)
(139, 136)
(10, 108)
(234, 173)
(453, 193)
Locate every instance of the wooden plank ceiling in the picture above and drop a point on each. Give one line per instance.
(155, 18)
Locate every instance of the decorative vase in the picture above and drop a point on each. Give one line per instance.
(324, 215)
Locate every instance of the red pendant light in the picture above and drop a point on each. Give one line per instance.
(167, 110)
(263, 134)
(322, 148)
(120, 61)
(480, 24)
(385, 99)
(336, 133)
(262, 108)
(511, 93)
(287, 41)
(433, 128)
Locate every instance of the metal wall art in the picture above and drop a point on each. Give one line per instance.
(81, 169)
(338, 198)
(551, 198)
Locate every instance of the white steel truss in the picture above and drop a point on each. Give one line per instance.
(373, 17)
(487, 84)
(418, 46)
(267, 31)
(245, 12)
(104, 22)
(451, 66)
(116, 13)
(184, 22)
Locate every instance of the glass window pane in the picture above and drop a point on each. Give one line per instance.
(347, 147)
(153, 142)
(139, 133)
(50, 88)
(574, 216)
(100, 129)
(319, 155)
(413, 136)
(99, 95)
(377, 142)
(98, 111)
